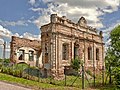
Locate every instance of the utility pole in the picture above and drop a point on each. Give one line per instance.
(4, 47)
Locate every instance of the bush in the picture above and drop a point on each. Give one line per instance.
(17, 73)
(75, 64)
(5, 70)
(7, 61)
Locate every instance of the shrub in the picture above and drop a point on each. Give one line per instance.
(17, 73)
(75, 64)
(5, 70)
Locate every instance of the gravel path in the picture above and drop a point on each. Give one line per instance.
(7, 86)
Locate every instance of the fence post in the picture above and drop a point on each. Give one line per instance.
(39, 75)
(65, 75)
(28, 71)
(82, 77)
(22, 71)
(4, 47)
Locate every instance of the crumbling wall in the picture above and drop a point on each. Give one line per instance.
(17, 43)
(62, 30)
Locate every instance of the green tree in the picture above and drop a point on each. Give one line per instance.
(109, 62)
(113, 56)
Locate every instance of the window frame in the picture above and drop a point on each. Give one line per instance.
(90, 53)
(31, 58)
(65, 51)
(76, 51)
(97, 53)
(23, 54)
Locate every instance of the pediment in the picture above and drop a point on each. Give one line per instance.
(82, 22)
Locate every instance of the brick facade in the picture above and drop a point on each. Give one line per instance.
(25, 44)
(63, 31)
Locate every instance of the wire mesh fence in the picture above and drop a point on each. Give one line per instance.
(23, 70)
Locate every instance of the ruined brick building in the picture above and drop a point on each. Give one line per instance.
(62, 40)
(25, 50)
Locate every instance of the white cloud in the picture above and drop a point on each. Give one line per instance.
(5, 32)
(31, 36)
(14, 23)
(74, 9)
(28, 36)
(32, 2)
(1, 41)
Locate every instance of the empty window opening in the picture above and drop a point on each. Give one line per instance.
(31, 55)
(21, 54)
(89, 53)
(65, 51)
(76, 49)
(97, 54)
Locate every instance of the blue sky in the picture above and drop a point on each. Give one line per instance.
(23, 18)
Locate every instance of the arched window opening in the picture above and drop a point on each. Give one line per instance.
(21, 54)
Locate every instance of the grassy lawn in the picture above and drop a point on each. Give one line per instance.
(72, 82)
(38, 85)
(33, 84)
(107, 87)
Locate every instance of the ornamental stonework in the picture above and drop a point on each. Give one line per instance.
(63, 40)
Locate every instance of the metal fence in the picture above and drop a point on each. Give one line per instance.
(22, 70)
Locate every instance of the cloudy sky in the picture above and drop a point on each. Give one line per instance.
(23, 18)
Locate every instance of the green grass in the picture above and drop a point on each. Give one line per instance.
(107, 87)
(45, 82)
(33, 84)
(59, 84)
(71, 81)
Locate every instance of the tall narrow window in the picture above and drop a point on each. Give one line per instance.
(65, 51)
(46, 53)
(21, 54)
(76, 51)
(97, 54)
(31, 55)
(89, 53)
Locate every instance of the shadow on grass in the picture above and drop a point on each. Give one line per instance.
(100, 86)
